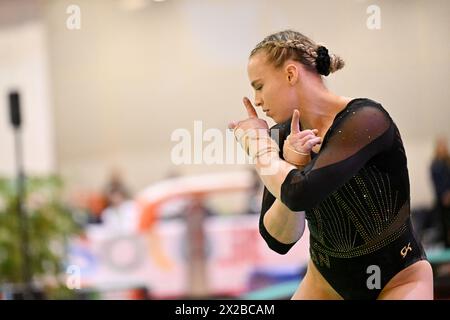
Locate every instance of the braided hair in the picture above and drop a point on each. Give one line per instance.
(290, 44)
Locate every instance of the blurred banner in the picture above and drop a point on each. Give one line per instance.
(235, 256)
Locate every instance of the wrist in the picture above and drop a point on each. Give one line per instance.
(255, 142)
(295, 157)
(265, 155)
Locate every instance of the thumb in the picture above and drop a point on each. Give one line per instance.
(232, 125)
(295, 123)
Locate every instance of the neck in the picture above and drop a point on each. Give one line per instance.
(319, 107)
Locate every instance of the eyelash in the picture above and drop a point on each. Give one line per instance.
(259, 88)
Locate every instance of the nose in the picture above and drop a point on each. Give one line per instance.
(258, 101)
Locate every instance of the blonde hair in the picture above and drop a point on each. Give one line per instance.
(290, 44)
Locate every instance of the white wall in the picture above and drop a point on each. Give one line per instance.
(24, 66)
(126, 80)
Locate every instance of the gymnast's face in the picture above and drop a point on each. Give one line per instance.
(275, 88)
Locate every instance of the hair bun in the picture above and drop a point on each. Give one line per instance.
(323, 61)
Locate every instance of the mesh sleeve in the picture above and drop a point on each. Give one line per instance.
(279, 133)
(273, 243)
(359, 134)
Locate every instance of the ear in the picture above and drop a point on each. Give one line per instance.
(292, 73)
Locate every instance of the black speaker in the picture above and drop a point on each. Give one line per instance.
(14, 109)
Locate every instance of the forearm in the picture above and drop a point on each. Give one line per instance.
(284, 225)
(264, 150)
(273, 171)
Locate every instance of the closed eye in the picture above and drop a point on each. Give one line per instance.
(256, 84)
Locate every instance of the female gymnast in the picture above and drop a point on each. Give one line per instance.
(340, 164)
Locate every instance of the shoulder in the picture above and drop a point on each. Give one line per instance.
(367, 105)
(364, 112)
(360, 122)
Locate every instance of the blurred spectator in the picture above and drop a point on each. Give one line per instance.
(122, 217)
(121, 212)
(96, 203)
(440, 173)
(116, 192)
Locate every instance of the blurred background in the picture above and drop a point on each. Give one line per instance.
(111, 90)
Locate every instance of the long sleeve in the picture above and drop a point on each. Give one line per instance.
(360, 132)
(279, 133)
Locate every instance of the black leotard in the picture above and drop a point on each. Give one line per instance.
(356, 198)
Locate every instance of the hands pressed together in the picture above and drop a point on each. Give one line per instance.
(253, 135)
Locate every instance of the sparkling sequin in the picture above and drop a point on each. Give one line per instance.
(354, 220)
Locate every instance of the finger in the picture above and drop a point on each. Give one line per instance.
(302, 134)
(311, 143)
(304, 140)
(250, 109)
(232, 125)
(295, 126)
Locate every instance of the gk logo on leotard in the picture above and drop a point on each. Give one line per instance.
(405, 250)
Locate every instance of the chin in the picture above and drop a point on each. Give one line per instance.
(279, 119)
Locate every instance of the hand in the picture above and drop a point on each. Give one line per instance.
(253, 122)
(298, 145)
(253, 133)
